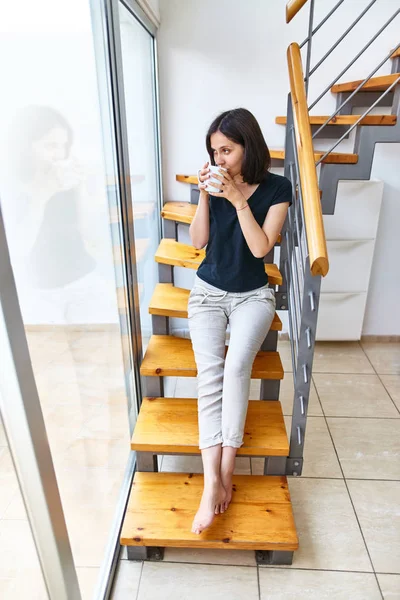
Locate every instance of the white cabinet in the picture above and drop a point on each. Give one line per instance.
(350, 235)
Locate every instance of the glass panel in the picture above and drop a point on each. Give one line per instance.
(67, 261)
(137, 61)
(20, 573)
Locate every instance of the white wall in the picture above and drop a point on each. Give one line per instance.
(217, 56)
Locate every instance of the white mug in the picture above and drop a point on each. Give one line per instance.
(210, 187)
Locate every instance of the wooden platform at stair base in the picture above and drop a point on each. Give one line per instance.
(173, 253)
(170, 356)
(162, 506)
(170, 426)
(171, 301)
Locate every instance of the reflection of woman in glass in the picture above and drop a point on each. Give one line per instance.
(46, 213)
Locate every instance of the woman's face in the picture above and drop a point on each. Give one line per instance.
(51, 147)
(227, 154)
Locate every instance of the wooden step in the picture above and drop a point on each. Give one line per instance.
(171, 301)
(396, 53)
(162, 506)
(332, 158)
(375, 84)
(170, 426)
(173, 253)
(347, 120)
(167, 355)
(183, 212)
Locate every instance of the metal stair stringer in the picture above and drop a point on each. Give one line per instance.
(364, 146)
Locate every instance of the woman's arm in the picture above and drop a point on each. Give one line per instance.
(200, 228)
(261, 240)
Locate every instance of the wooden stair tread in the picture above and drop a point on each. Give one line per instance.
(162, 506)
(168, 355)
(396, 53)
(332, 158)
(171, 301)
(170, 425)
(347, 120)
(183, 212)
(173, 253)
(375, 84)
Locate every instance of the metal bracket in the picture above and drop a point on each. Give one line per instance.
(274, 557)
(145, 553)
(294, 466)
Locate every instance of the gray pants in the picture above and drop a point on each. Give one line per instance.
(224, 383)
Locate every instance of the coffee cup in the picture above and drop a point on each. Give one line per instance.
(210, 187)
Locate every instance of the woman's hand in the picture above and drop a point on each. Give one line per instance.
(203, 176)
(228, 190)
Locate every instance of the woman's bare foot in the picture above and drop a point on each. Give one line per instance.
(226, 478)
(213, 498)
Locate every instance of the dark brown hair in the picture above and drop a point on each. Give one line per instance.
(241, 127)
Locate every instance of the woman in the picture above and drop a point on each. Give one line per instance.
(240, 225)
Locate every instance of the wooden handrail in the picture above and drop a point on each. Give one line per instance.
(292, 8)
(314, 223)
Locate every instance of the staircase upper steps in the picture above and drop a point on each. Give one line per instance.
(347, 120)
(171, 356)
(170, 426)
(173, 253)
(375, 84)
(161, 507)
(171, 301)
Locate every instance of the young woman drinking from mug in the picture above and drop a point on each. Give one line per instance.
(240, 224)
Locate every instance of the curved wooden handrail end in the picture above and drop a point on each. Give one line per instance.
(320, 266)
(292, 8)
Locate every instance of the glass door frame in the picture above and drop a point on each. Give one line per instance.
(108, 57)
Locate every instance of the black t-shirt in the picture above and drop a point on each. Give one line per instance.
(229, 263)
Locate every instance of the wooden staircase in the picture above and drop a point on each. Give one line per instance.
(162, 506)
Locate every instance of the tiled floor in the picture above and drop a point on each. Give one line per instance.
(81, 388)
(346, 504)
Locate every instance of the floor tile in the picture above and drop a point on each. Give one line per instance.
(168, 581)
(340, 357)
(127, 579)
(210, 557)
(329, 535)
(88, 452)
(354, 395)
(377, 506)
(28, 584)
(390, 586)
(320, 458)
(287, 584)
(285, 353)
(392, 384)
(385, 358)
(367, 448)
(17, 550)
(8, 480)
